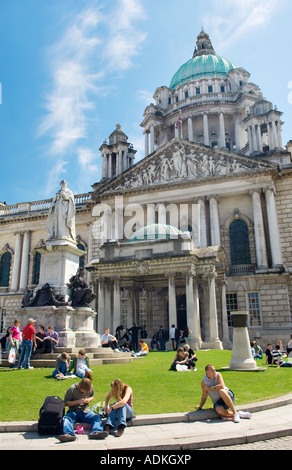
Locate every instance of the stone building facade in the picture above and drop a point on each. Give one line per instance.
(199, 228)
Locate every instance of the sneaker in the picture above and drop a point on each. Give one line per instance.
(98, 435)
(245, 414)
(67, 437)
(236, 418)
(89, 375)
(120, 430)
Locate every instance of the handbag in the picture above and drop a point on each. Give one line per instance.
(12, 356)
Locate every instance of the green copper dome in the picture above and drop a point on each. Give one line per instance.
(205, 63)
(155, 232)
(209, 65)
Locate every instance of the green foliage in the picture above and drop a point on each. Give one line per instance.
(156, 388)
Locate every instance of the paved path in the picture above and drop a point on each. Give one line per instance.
(177, 432)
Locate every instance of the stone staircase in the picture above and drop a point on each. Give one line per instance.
(97, 356)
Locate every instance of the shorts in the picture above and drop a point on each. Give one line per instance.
(221, 402)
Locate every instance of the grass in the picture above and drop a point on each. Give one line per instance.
(156, 389)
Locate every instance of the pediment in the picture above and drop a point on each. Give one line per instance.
(182, 161)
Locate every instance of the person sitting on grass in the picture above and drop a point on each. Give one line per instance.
(181, 358)
(277, 357)
(144, 349)
(80, 365)
(222, 397)
(77, 398)
(62, 365)
(121, 410)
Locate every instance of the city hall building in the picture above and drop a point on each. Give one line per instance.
(200, 227)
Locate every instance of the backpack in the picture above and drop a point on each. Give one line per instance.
(51, 416)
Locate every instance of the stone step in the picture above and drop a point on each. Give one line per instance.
(97, 356)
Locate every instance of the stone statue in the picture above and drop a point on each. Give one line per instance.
(44, 297)
(80, 294)
(61, 218)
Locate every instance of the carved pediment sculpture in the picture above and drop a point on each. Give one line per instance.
(179, 161)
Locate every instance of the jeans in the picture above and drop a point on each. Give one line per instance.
(63, 369)
(26, 349)
(81, 372)
(73, 417)
(121, 415)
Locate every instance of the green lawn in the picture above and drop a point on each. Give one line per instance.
(156, 389)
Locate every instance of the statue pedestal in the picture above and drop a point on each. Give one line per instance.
(59, 262)
(242, 359)
(75, 326)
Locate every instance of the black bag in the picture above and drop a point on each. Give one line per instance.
(51, 416)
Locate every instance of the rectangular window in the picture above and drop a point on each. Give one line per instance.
(231, 305)
(253, 305)
(198, 91)
(124, 312)
(186, 94)
(143, 311)
(210, 89)
(222, 89)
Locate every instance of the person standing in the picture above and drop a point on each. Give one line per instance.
(77, 398)
(28, 340)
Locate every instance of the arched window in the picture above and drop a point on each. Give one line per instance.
(239, 243)
(36, 268)
(5, 265)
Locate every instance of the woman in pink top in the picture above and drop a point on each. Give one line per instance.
(122, 409)
(14, 336)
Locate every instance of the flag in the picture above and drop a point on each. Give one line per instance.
(178, 122)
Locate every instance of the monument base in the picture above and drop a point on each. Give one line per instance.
(74, 325)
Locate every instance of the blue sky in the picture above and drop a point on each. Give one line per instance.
(70, 70)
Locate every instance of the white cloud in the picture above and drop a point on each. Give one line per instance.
(95, 44)
(233, 20)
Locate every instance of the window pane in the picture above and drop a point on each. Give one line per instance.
(254, 309)
(231, 305)
(239, 243)
(5, 264)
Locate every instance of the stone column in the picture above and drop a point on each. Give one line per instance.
(120, 169)
(146, 143)
(152, 142)
(225, 330)
(275, 134)
(260, 241)
(108, 318)
(275, 243)
(250, 142)
(190, 129)
(259, 138)
(101, 306)
(214, 220)
(254, 138)
(193, 313)
(117, 303)
(222, 142)
(110, 166)
(206, 129)
(172, 300)
(104, 171)
(270, 136)
(16, 263)
(203, 227)
(161, 213)
(24, 261)
(214, 341)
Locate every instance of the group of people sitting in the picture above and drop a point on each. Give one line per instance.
(274, 356)
(185, 359)
(109, 341)
(119, 412)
